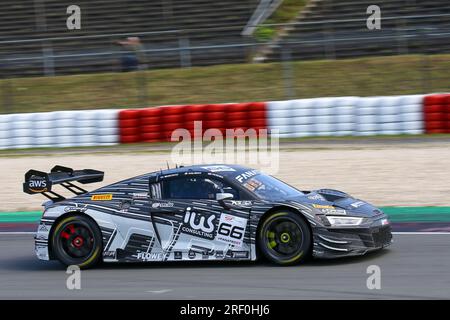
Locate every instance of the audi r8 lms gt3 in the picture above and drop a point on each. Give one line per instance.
(201, 212)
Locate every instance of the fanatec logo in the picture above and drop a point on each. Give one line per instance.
(198, 224)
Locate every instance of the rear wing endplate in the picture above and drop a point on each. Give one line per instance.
(42, 182)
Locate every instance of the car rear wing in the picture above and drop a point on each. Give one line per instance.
(42, 182)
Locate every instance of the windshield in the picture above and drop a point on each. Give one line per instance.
(270, 188)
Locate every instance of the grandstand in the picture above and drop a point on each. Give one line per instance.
(337, 29)
(162, 25)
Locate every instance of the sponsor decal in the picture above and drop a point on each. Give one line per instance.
(202, 250)
(142, 195)
(205, 255)
(41, 236)
(316, 197)
(41, 252)
(178, 255)
(201, 247)
(156, 205)
(125, 205)
(215, 175)
(102, 197)
(322, 206)
(192, 254)
(109, 254)
(358, 204)
(189, 173)
(244, 203)
(252, 184)
(329, 210)
(38, 184)
(231, 229)
(218, 168)
(238, 254)
(148, 256)
(169, 176)
(199, 224)
(246, 175)
(219, 254)
(43, 228)
(335, 211)
(75, 208)
(384, 222)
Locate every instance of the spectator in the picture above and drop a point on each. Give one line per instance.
(132, 56)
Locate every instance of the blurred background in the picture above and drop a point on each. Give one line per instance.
(145, 53)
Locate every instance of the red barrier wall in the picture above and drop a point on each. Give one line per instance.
(158, 123)
(437, 113)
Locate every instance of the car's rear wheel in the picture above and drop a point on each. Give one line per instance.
(285, 238)
(77, 240)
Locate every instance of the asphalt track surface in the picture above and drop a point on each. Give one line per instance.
(416, 266)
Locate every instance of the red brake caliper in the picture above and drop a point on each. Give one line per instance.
(66, 235)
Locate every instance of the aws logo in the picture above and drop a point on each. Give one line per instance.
(199, 224)
(37, 184)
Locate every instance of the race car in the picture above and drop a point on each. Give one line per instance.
(200, 212)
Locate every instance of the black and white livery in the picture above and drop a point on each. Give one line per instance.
(202, 212)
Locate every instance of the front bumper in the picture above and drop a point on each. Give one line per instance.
(344, 242)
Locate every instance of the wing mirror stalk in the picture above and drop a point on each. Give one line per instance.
(221, 197)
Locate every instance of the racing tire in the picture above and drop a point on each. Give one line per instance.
(77, 240)
(285, 238)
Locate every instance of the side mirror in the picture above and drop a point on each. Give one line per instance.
(224, 196)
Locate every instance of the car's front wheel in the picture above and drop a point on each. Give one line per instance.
(77, 240)
(285, 238)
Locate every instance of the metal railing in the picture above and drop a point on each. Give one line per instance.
(168, 74)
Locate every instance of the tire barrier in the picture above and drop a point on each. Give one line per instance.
(436, 111)
(129, 122)
(158, 123)
(346, 116)
(332, 116)
(59, 129)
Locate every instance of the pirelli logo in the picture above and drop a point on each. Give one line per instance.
(322, 206)
(102, 197)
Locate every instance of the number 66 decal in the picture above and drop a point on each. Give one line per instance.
(234, 232)
(231, 229)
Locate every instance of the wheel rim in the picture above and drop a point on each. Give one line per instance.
(283, 237)
(77, 240)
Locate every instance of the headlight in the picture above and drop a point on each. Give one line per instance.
(344, 221)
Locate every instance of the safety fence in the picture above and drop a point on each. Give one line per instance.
(339, 116)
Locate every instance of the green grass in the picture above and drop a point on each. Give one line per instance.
(229, 83)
